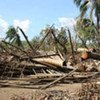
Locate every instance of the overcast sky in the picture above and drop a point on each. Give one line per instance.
(33, 15)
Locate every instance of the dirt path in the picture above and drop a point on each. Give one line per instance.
(8, 93)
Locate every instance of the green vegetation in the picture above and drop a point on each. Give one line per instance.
(85, 31)
(94, 8)
(87, 28)
(13, 37)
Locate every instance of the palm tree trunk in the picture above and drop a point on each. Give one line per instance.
(98, 21)
(98, 30)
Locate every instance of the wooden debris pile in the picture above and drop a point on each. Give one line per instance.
(16, 62)
(38, 69)
(20, 61)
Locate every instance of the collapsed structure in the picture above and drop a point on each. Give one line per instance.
(31, 67)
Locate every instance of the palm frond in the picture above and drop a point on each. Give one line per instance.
(91, 10)
(10, 33)
(97, 8)
(83, 8)
(13, 36)
(78, 2)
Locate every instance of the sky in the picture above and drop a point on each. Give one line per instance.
(33, 15)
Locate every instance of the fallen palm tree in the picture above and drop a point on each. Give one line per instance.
(87, 55)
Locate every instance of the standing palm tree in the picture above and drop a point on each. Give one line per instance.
(85, 31)
(13, 37)
(93, 6)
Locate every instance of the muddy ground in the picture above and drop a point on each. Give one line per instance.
(57, 92)
(9, 93)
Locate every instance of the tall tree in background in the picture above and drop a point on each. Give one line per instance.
(13, 37)
(35, 41)
(48, 38)
(63, 39)
(90, 5)
(62, 35)
(54, 39)
(85, 30)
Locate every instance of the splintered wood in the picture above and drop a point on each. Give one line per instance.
(29, 69)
